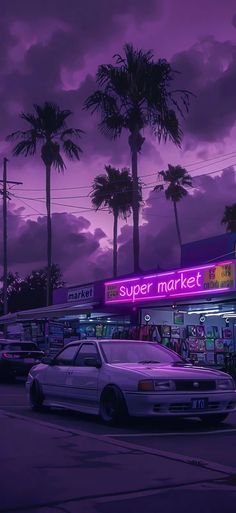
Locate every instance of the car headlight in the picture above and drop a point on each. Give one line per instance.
(156, 385)
(225, 384)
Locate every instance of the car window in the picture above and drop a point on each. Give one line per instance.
(66, 357)
(137, 352)
(20, 347)
(86, 351)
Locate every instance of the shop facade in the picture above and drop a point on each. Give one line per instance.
(94, 318)
(191, 310)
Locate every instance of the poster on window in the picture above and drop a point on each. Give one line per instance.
(55, 337)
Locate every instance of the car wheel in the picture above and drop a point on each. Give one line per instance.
(214, 419)
(113, 409)
(36, 396)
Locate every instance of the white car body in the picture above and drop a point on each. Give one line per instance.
(194, 391)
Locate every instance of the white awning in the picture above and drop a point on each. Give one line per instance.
(47, 312)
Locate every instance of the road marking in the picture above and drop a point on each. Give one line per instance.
(170, 433)
(188, 460)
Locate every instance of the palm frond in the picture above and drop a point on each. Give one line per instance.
(159, 188)
(26, 147)
(51, 118)
(76, 132)
(31, 119)
(71, 149)
(59, 163)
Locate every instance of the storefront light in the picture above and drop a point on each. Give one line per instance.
(219, 314)
(202, 311)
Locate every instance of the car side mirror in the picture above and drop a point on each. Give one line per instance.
(47, 360)
(92, 362)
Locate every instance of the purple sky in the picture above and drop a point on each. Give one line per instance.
(50, 50)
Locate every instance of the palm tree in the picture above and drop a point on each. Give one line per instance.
(114, 190)
(229, 218)
(175, 178)
(133, 94)
(47, 128)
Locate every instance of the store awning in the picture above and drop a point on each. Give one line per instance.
(47, 312)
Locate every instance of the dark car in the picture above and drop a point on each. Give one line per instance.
(17, 358)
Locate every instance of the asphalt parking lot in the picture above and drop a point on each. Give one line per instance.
(58, 460)
(185, 436)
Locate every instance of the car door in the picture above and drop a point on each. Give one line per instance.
(84, 379)
(55, 382)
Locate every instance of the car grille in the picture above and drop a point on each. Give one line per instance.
(183, 385)
(187, 407)
(214, 405)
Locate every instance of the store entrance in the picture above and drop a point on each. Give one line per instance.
(202, 333)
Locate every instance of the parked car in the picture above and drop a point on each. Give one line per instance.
(17, 357)
(116, 378)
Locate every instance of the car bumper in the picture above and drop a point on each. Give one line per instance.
(16, 368)
(179, 404)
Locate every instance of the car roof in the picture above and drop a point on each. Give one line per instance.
(101, 341)
(16, 341)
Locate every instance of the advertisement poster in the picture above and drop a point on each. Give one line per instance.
(55, 337)
(178, 318)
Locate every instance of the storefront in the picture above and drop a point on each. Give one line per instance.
(78, 312)
(192, 310)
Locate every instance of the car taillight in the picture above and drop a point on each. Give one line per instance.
(10, 355)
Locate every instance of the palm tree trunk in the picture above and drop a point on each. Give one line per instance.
(177, 224)
(49, 234)
(115, 229)
(133, 142)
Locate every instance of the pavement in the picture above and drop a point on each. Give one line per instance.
(48, 468)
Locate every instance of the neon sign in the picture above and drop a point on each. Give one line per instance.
(219, 277)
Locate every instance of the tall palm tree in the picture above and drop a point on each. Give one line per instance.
(114, 190)
(47, 129)
(229, 218)
(175, 178)
(133, 94)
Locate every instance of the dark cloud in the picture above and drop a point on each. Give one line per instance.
(82, 257)
(208, 70)
(200, 217)
(73, 243)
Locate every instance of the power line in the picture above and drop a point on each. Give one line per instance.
(105, 210)
(27, 205)
(55, 203)
(228, 155)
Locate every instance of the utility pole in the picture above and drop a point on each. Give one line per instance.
(5, 196)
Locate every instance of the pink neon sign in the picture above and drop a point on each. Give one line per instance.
(219, 277)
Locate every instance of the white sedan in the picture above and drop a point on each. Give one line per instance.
(116, 378)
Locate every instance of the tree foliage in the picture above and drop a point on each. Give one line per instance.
(229, 218)
(29, 292)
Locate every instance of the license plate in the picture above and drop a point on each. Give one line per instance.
(199, 403)
(29, 360)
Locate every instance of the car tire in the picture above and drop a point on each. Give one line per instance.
(113, 410)
(214, 419)
(36, 396)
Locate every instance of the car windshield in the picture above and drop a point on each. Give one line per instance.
(137, 352)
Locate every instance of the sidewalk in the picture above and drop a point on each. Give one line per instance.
(44, 469)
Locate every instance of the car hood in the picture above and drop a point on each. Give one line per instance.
(171, 371)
